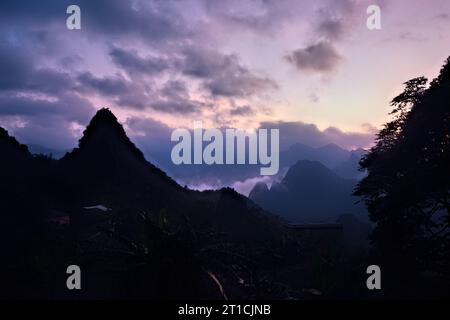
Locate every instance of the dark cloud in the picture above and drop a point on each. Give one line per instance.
(242, 111)
(264, 17)
(332, 28)
(15, 67)
(34, 86)
(18, 71)
(151, 20)
(175, 89)
(122, 22)
(50, 81)
(111, 86)
(176, 106)
(137, 100)
(131, 62)
(45, 122)
(321, 57)
(334, 24)
(38, 12)
(52, 132)
(40, 98)
(309, 134)
(443, 16)
(70, 106)
(239, 83)
(172, 98)
(223, 74)
(203, 62)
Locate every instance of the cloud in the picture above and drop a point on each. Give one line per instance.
(258, 16)
(332, 29)
(18, 71)
(15, 66)
(244, 187)
(239, 83)
(334, 23)
(38, 103)
(321, 57)
(70, 106)
(368, 127)
(175, 89)
(443, 16)
(176, 106)
(52, 132)
(172, 57)
(45, 61)
(314, 97)
(27, 89)
(133, 63)
(48, 123)
(150, 20)
(309, 134)
(152, 137)
(223, 74)
(106, 85)
(242, 111)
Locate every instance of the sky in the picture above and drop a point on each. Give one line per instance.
(311, 68)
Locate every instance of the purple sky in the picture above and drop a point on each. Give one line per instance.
(310, 67)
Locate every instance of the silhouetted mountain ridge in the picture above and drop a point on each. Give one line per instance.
(11, 143)
(104, 128)
(106, 153)
(350, 168)
(306, 170)
(107, 168)
(310, 192)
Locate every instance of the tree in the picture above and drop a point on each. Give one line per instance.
(407, 189)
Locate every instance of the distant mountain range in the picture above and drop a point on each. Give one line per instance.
(310, 192)
(343, 162)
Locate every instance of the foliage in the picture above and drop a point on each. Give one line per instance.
(407, 190)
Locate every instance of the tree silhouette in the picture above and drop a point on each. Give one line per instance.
(407, 189)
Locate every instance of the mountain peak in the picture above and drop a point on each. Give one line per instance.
(105, 153)
(307, 165)
(308, 170)
(259, 189)
(331, 147)
(104, 129)
(10, 141)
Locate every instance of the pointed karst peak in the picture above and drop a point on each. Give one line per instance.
(331, 146)
(9, 141)
(261, 187)
(305, 166)
(104, 129)
(259, 192)
(308, 170)
(104, 119)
